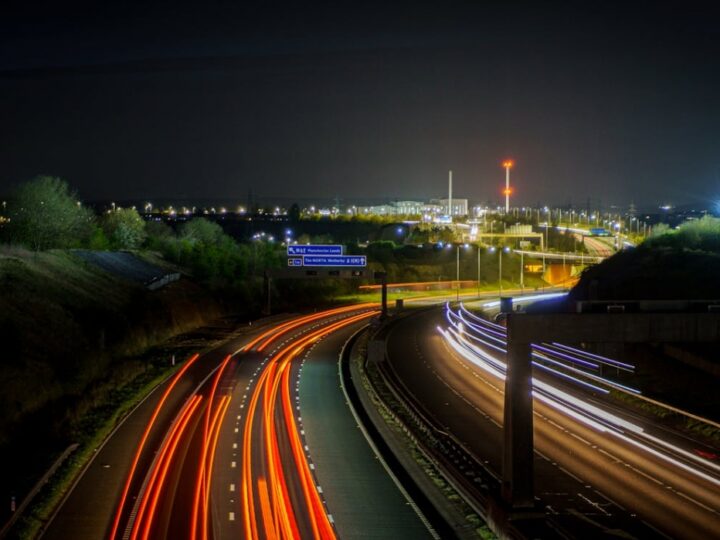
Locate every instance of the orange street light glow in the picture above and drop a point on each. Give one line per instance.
(508, 164)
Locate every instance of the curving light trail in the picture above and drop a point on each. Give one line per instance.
(145, 520)
(471, 347)
(269, 509)
(143, 442)
(270, 410)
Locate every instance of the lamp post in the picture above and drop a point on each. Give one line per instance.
(506, 250)
(457, 273)
(491, 249)
(522, 272)
(478, 287)
(457, 270)
(508, 163)
(500, 273)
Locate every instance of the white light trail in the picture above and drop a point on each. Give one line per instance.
(590, 415)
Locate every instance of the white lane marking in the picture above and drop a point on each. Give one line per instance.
(231, 516)
(233, 464)
(232, 487)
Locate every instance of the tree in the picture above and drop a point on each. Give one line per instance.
(159, 236)
(98, 240)
(124, 228)
(200, 230)
(45, 214)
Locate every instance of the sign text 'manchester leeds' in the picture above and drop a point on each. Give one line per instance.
(322, 255)
(314, 249)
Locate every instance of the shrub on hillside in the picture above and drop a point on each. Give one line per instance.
(124, 228)
(202, 231)
(45, 214)
(699, 235)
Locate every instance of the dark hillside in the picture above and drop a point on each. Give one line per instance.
(673, 264)
(64, 320)
(648, 272)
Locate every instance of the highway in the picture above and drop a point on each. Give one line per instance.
(220, 451)
(254, 440)
(592, 482)
(598, 247)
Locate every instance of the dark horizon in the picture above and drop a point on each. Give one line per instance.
(612, 103)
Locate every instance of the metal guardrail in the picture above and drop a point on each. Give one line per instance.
(649, 306)
(467, 474)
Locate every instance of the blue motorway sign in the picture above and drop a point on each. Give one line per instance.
(335, 260)
(314, 249)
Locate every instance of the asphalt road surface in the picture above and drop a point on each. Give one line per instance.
(595, 485)
(242, 442)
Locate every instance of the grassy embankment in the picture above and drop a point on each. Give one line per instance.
(70, 336)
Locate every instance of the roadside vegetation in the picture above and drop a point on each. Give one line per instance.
(682, 263)
(708, 432)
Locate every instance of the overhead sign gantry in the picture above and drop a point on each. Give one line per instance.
(323, 255)
(321, 261)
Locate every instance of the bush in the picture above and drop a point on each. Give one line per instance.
(124, 228)
(45, 214)
(699, 235)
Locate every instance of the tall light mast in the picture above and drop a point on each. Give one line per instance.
(508, 164)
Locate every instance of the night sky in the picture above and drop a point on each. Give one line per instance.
(609, 101)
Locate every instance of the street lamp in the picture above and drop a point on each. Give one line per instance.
(506, 249)
(457, 271)
(478, 286)
(508, 164)
(491, 249)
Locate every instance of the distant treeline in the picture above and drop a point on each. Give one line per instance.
(44, 213)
